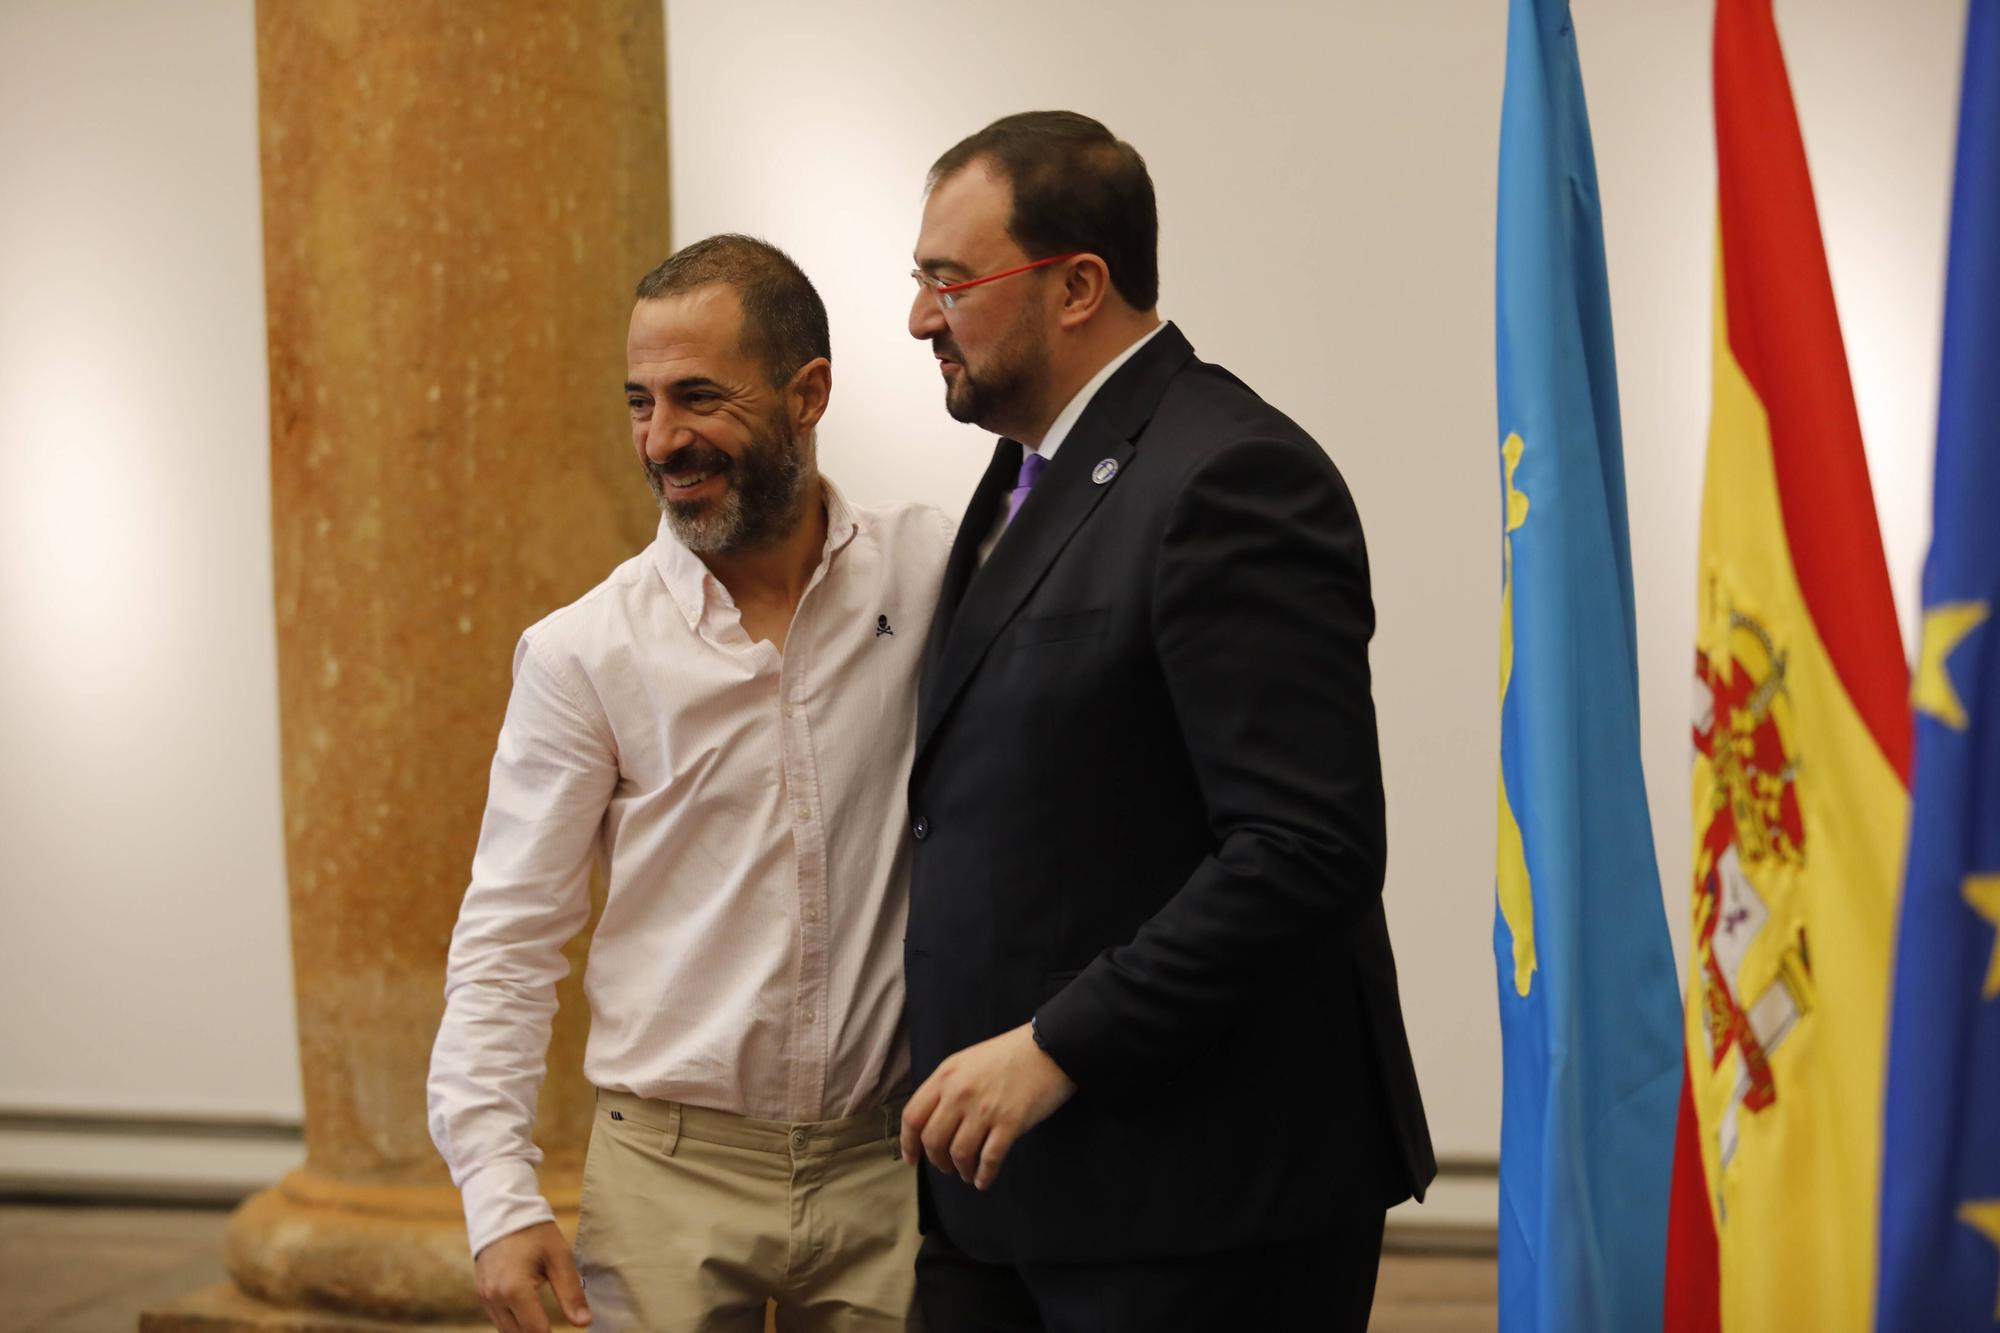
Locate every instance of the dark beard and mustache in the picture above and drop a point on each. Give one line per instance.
(766, 491)
(1003, 391)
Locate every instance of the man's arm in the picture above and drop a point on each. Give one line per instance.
(1262, 617)
(553, 773)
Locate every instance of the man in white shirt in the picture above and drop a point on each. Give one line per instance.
(727, 722)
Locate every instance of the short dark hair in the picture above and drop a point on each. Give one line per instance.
(784, 321)
(1077, 186)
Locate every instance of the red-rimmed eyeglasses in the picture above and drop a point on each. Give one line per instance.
(946, 291)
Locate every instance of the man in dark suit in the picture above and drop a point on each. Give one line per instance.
(1164, 1082)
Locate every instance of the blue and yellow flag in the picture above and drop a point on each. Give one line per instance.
(1589, 1009)
(1940, 1265)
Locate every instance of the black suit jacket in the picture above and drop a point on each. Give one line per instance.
(1147, 805)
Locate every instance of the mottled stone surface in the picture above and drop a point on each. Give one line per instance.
(394, 1251)
(458, 200)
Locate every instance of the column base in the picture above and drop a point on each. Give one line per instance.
(368, 1251)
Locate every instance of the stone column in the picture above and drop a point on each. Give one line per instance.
(458, 200)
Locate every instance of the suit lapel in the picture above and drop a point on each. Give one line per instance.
(963, 562)
(980, 607)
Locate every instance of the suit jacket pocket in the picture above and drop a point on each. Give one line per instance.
(1060, 628)
(1052, 982)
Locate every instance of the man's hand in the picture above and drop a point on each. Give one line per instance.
(968, 1113)
(510, 1274)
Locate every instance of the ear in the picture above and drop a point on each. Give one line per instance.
(1086, 287)
(807, 395)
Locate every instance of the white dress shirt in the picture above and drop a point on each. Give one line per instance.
(749, 809)
(1065, 421)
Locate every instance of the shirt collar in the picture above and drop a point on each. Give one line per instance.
(1066, 419)
(695, 588)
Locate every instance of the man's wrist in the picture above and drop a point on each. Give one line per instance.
(501, 1198)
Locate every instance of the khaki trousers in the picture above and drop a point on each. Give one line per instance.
(692, 1219)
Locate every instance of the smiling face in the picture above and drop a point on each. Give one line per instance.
(716, 438)
(993, 347)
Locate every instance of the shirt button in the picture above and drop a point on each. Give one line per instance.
(809, 1015)
(787, 710)
(804, 812)
(812, 914)
(921, 828)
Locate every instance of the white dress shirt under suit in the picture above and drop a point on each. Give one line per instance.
(1059, 429)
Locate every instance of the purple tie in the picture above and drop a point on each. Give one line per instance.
(1031, 472)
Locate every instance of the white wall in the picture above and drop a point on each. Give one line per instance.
(1326, 184)
(144, 961)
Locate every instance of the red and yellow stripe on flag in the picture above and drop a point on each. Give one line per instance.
(1802, 745)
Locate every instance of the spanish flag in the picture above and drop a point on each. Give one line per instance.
(1802, 743)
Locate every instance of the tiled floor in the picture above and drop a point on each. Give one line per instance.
(1435, 1293)
(91, 1269)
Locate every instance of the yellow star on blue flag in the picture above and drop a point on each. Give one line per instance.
(1982, 894)
(1983, 1216)
(1931, 691)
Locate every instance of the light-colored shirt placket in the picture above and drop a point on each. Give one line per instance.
(810, 1020)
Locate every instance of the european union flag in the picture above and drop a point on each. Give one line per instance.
(1590, 1014)
(1941, 1118)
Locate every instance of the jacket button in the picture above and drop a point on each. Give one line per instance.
(921, 828)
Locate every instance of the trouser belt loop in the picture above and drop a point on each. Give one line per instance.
(670, 1138)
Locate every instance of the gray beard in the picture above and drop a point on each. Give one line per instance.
(763, 503)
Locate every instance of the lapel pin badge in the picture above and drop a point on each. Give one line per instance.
(882, 627)
(1104, 471)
